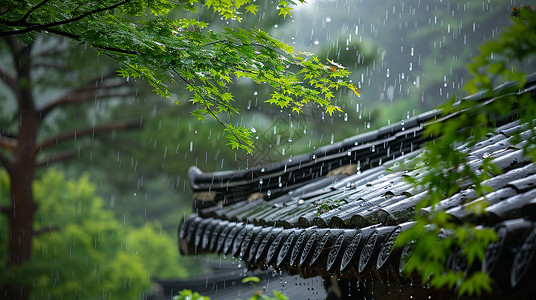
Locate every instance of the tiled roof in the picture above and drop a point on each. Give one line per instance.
(273, 216)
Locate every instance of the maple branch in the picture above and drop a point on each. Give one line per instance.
(73, 135)
(33, 27)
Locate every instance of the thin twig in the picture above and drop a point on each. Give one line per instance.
(25, 17)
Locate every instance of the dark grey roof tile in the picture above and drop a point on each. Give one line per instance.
(250, 257)
(524, 184)
(226, 233)
(301, 241)
(353, 250)
(283, 257)
(310, 245)
(499, 255)
(486, 151)
(371, 248)
(462, 213)
(511, 160)
(401, 211)
(512, 207)
(524, 263)
(370, 215)
(389, 257)
(324, 244)
(338, 248)
(502, 180)
(231, 237)
(247, 241)
(215, 235)
(451, 202)
(200, 231)
(239, 238)
(276, 245)
(264, 245)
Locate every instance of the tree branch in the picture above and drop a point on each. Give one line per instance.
(25, 17)
(7, 143)
(34, 27)
(61, 67)
(73, 135)
(56, 157)
(39, 231)
(78, 98)
(84, 93)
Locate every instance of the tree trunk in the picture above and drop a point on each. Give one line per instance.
(21, 213)
(20, 219)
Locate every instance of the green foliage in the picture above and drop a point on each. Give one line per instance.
(82, 250)
(328, 205)
(254, 279)
(446, 170)
(189, 295)
(170, 52)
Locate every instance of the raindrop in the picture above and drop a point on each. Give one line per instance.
(368, 125)
(345, 117)
(412, 51)
(332, 138)
(316, 42)
(372, 148)
(263, 170)
(255, 93)
(134, 194)
(253, 130)
(290, 140)
(275, 26)
(387, 73)
(261, 181)
(328, 19)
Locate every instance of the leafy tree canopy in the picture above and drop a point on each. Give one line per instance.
(83, 251)
(149, 42)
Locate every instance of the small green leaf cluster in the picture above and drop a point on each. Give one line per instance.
(329, 204)
(189, 295)
(445, 169)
